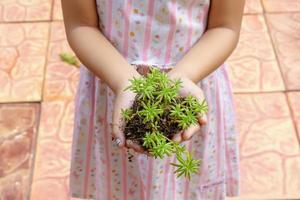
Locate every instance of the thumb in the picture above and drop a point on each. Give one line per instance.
(202, 119)
(122, 101)
(117, 125)
(118, 135)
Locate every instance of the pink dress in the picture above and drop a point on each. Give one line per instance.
(154, 32)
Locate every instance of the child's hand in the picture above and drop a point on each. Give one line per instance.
(189, 88)
(123, 100)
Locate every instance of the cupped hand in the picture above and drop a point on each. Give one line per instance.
(123, 100)
(189, 88)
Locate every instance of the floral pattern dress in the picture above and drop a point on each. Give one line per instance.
(156, 33)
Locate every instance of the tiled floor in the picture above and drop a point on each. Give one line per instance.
(37, 100)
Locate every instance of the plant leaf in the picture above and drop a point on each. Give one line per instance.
(68, 58)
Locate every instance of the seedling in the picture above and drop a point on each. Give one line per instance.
(158, 113)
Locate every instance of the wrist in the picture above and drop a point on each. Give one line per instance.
(124, 81)
(183, 73)
(175, 73)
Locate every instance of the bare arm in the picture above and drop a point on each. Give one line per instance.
(216, 44)
(92, 47)
(97, 53)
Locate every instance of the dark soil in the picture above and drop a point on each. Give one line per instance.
(135, 129)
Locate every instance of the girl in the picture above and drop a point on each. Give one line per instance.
(117, 40)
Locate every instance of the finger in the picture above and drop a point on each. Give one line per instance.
(135, 147)
(193, 89)
(120, 137)
(202, 120)
(117, 132)
(190, 132)
(121, 102)
(198, 93)
(177, 137)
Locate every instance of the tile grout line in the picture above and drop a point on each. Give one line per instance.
(267, 92)
(31, 21)
(52, 10)
(274, 12)
(281, 12)
(264, 10)
(283, 78)
(262, 6)
(20, 102)
(46, 62)
(33, 151)
(274, 50)
(263, 13)
(293, 116)
(47, 51)
(26, 22)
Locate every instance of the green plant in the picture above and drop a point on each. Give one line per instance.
(158, 145)
(127, 113)
(186, 166)
(195, 106)
(150, 112)
(157, 107)
(187, 119)
(70, 59)
(177, 110)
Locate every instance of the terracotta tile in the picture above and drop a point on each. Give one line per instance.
(267, 138)
(285, 32)
(294, 98)
(24, 10)
(266, 124)
(281, 6)
(18, 132)
(61, 78)
(53, 151)
(262, 177)
(57, 12)
(50, 189)
(253, 6)
(292, 179)
(22, 60)
(253, 66)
